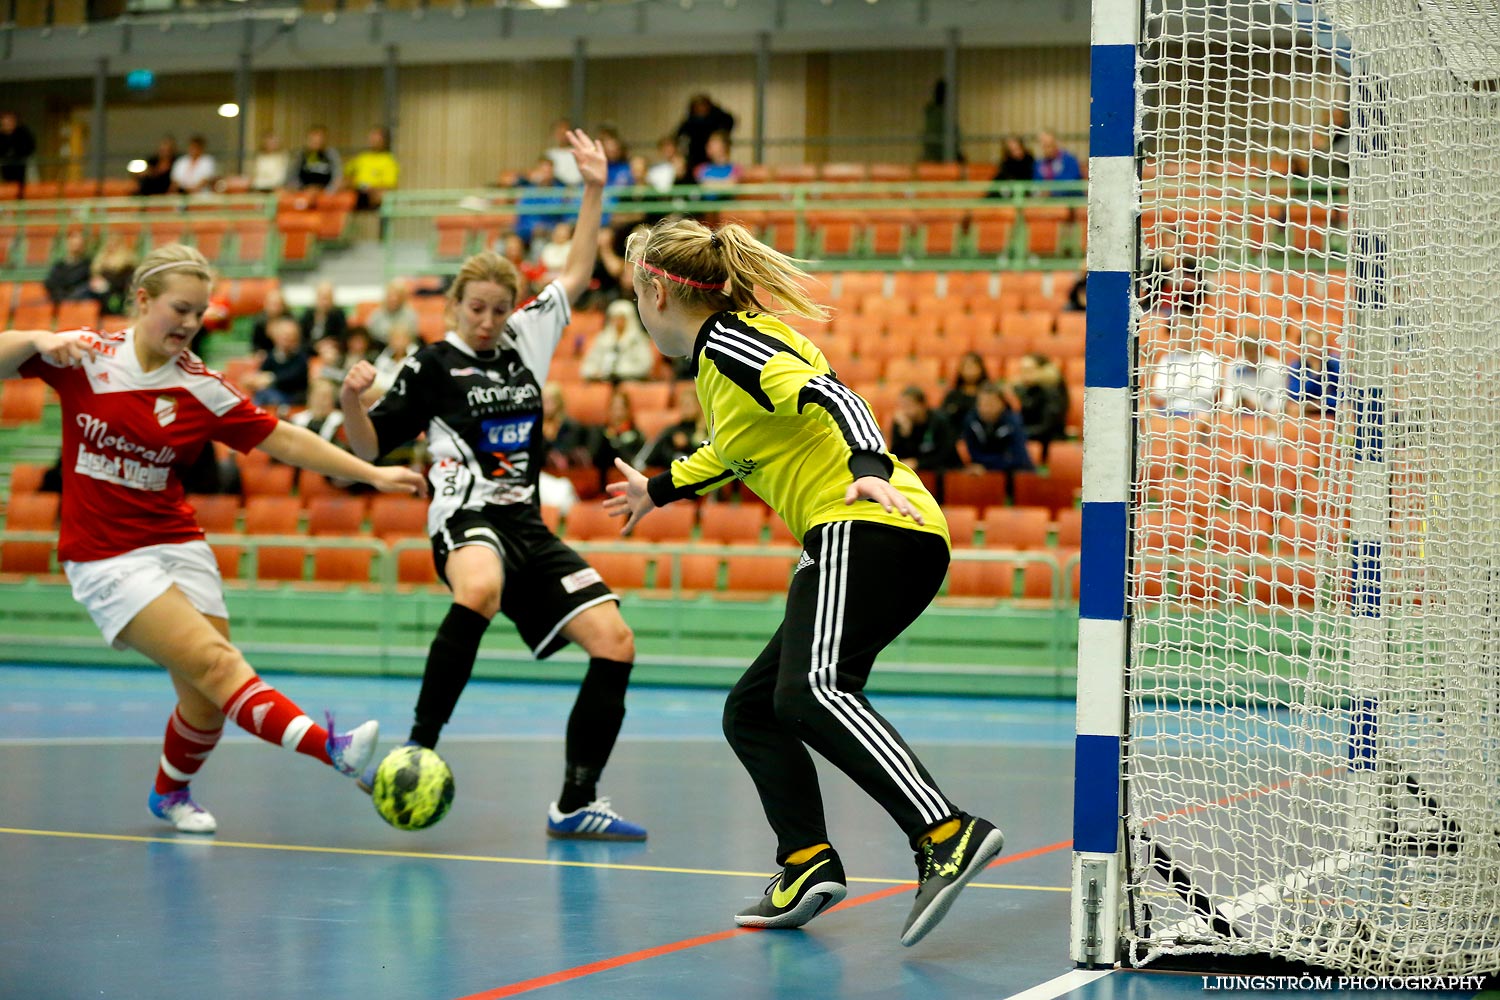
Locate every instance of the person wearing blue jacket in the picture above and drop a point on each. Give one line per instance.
(994, 433)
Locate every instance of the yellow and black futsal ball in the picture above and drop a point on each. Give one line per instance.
(413, 788)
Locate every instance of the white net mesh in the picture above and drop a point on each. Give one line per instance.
(1313, 755)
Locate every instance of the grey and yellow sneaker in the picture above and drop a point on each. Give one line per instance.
(944, 869)
(798, 893)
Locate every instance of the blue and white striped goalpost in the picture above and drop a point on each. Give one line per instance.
(1103, 639)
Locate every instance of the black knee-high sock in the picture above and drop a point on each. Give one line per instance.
(592, 730)
(450, 661)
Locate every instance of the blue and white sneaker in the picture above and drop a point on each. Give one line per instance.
(595, 821)
(179, 809)
(366, 780)
(351, 752)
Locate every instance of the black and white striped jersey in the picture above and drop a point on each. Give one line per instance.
(482, 414)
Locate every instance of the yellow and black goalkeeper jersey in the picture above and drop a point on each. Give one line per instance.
(782, 422)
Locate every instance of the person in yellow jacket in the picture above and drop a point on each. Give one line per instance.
(373, 171)
(781, 422)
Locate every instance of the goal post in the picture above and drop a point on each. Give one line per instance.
(1288, 731)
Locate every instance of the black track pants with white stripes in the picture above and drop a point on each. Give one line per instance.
(866, 584)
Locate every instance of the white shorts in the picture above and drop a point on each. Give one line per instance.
(114, 590)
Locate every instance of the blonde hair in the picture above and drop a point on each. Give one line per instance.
(163, 262)
(485, 266)
(720, 269)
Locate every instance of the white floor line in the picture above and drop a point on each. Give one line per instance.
(1065, 983)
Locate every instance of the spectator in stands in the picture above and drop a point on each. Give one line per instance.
(1056, 164)
(553, 254)
(327, 361)
(620, 438)
(537, 207)
(17, 145)
(195, 171)
(373, 170)
(704, 118)
(993, 434)
(358, 346)
(513, 249)
(560, 155)
(616, 158)
(1313, 379)
(393, 310)
(1016, 162)
(970, 376)
(1185, 382)
(322, 416)
(324, 318)
(1329, 157)
(68, 277)
(274, 308)
(1171, 286)
(567, 440)
(268, 169)
(1078, 295)
(403, 343)
(282, 379)
(318, 166)
(109, 276)
(670, 167)
(1043, 399)
(1254, 381)
(621, 352)
(679, 439)
(934, 125)
(923, 438)
(157, 177)
(718, 170)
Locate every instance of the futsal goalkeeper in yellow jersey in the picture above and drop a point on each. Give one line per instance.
(875, 551)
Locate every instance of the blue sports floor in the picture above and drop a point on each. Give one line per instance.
(305, 893)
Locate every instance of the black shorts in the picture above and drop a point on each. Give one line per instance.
(546, 583)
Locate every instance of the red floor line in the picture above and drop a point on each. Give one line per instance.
(604, 965)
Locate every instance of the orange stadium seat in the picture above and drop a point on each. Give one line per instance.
(669, 524)
(967, 489)
(342, 565)
(729, 524)
(229, 559)
(32, 512)
(1016, 527)
(280, 563)
(268, 479)
(961, 524)
(589, 522)
(393, 517)
(621, 570)
(216, 512)
(272, 515)
(1070, 528)
(415, 566)
(31, 558)
(648, 395)
(25, 478)
(761, 574)
(77, 315)
(781, 534)
(335, 516)
(699, 573)
(980, 579)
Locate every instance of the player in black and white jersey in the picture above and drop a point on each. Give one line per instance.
(477, 395)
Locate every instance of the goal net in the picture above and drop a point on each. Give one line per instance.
(1311, 762)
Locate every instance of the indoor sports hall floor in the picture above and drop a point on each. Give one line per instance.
(305, 893)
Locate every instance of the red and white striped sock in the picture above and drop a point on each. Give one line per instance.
(183, 751)
(263, 711)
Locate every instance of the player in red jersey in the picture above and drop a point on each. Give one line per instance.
(137, 406)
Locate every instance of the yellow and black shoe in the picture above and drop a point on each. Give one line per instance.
(798, 893)
(944, 869)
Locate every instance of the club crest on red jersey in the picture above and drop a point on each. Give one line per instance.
(166, 410)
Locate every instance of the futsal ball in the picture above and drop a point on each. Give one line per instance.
(413, 788)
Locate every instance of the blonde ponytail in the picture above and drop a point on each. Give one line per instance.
(726, 268)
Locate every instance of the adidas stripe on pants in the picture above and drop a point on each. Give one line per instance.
(866, 583)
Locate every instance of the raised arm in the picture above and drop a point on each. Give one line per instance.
(592, 165)
(304, 449)
(62, 349)
(359, 429)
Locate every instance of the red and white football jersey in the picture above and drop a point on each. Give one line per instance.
(124, 433)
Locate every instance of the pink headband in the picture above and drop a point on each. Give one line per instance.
(717, 286)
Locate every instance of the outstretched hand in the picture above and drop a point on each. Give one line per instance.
(589, 153)
(629, 497)
(66, 350)
(883, 493)
(399, 479)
